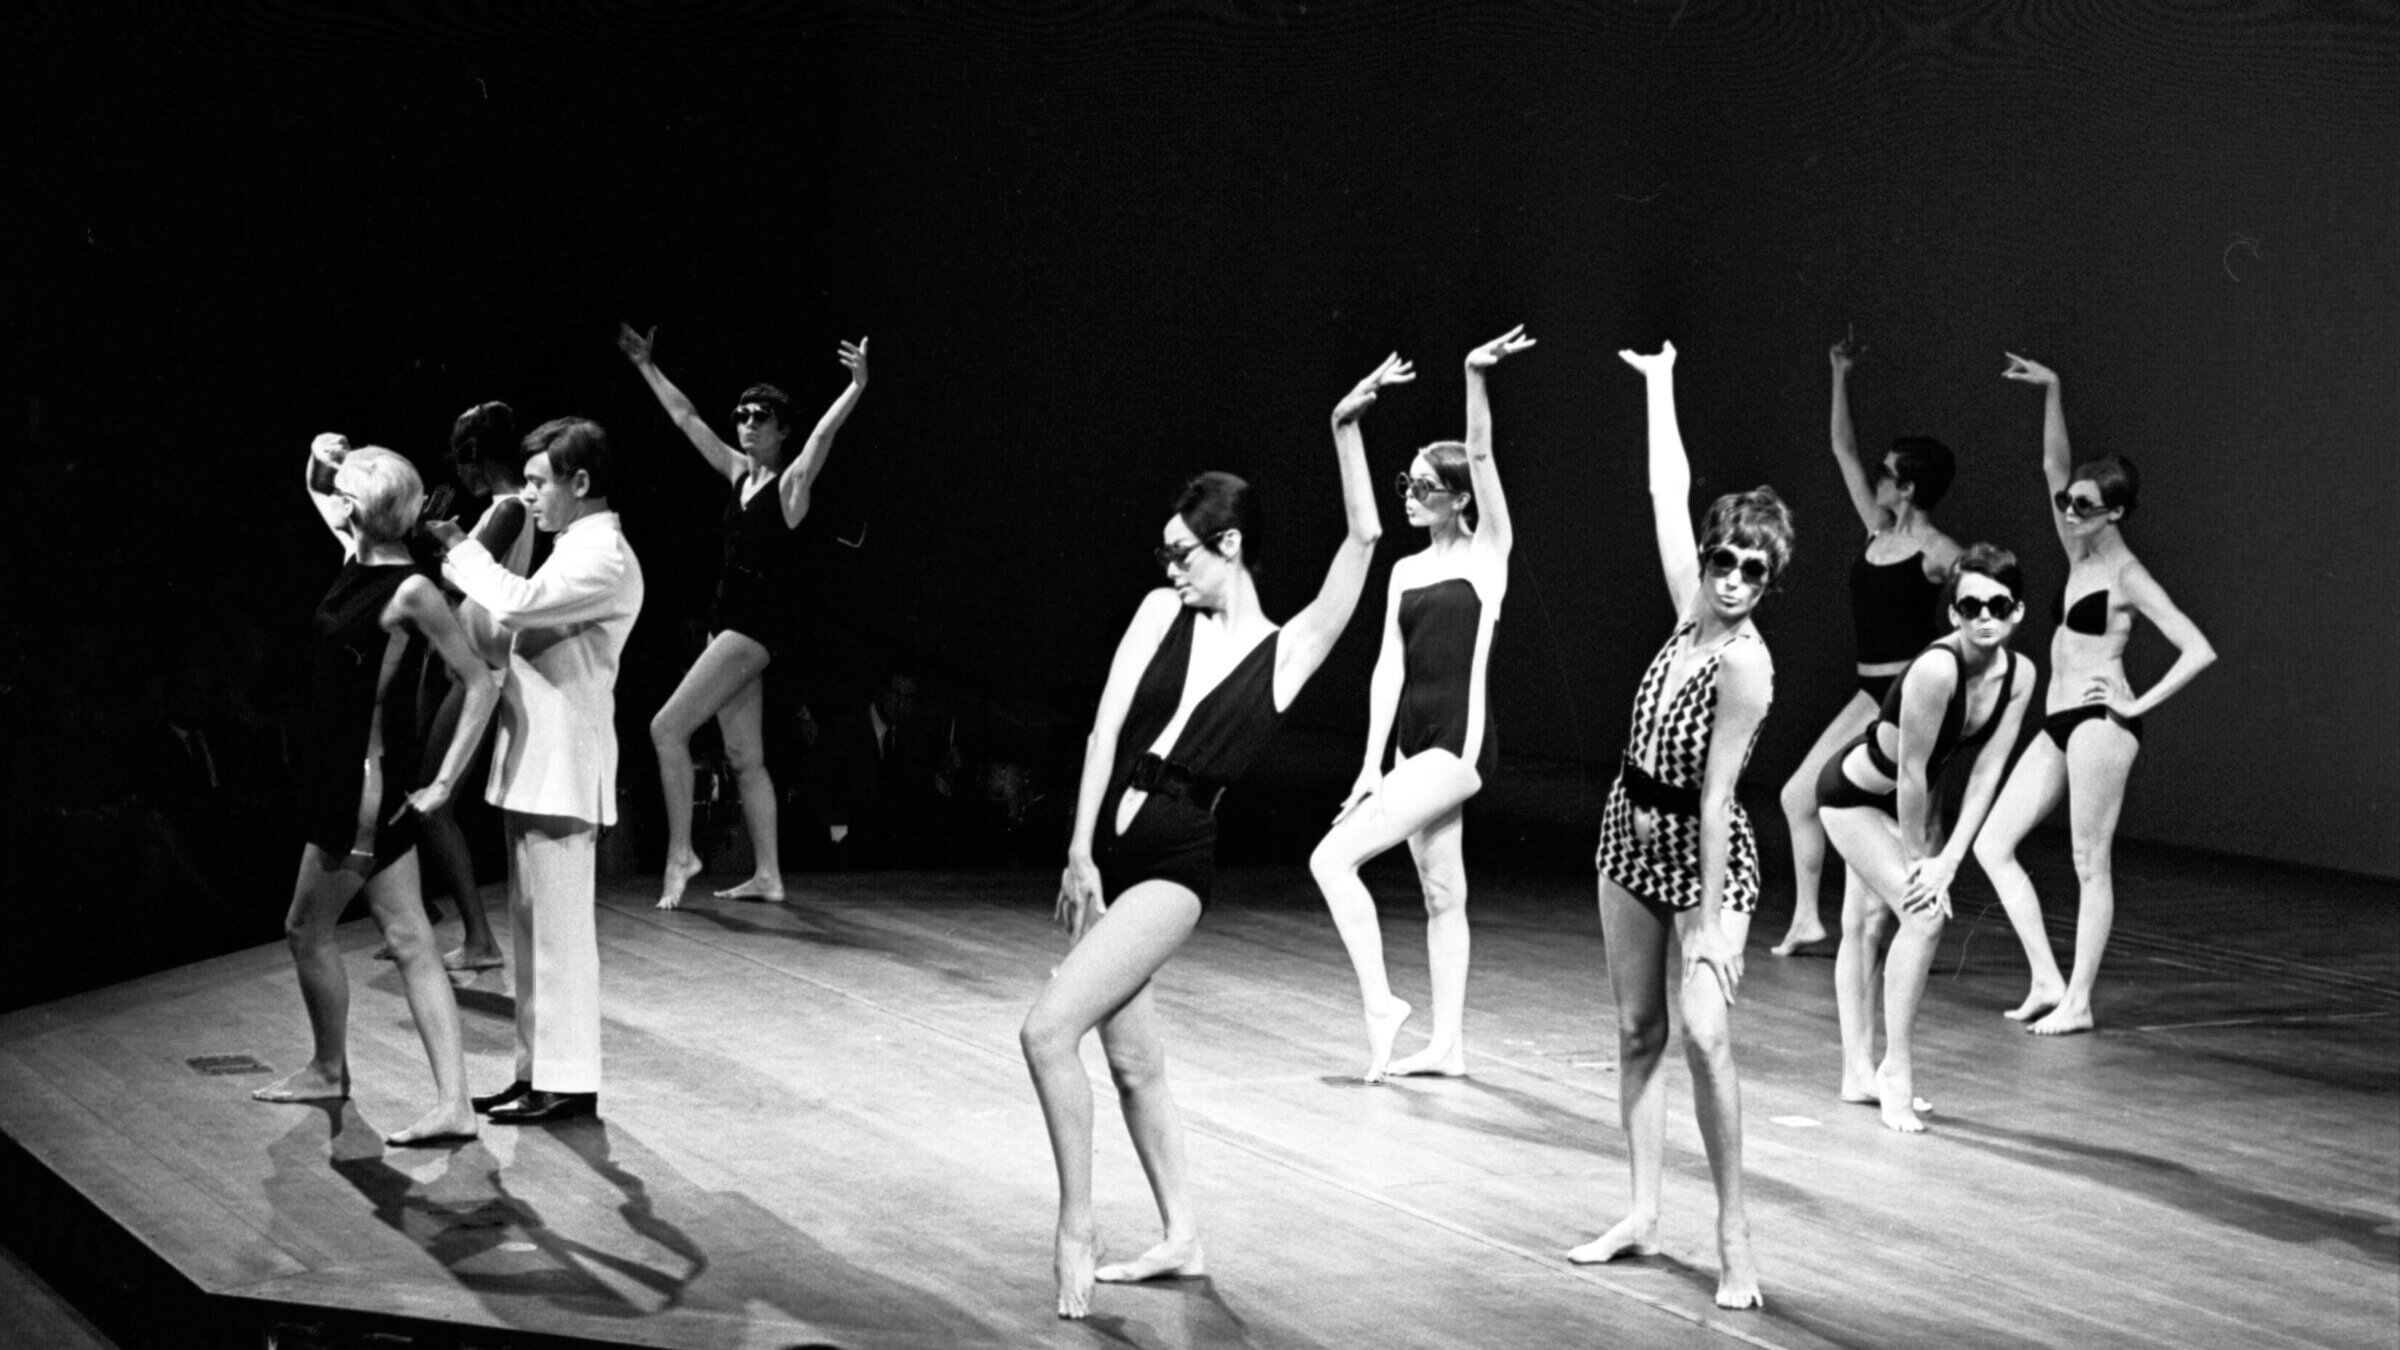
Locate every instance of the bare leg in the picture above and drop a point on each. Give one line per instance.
(1417, 792)
(323, 888)
(1869, 841)
(2032, 792)
(446, 851)
(1137, 1060)
(741, 722)
(394, 897)
(729, 662)
(1808, 834)
(1113, 962)
(1865, 921)
(1637, 977)
(1717, 1101)
(1442, 875)
(2100, 757)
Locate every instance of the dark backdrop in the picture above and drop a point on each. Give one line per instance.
(1100, 246)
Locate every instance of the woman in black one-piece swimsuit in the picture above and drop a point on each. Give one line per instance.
(750, 624)
(1198, 685)
(372, 630)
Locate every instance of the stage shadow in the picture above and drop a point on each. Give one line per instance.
(2207, 1196)
(1195, 1314)
(830, 933)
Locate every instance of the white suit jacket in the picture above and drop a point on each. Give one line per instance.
(556, 754)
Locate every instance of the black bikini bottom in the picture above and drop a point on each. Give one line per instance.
(2060, 726)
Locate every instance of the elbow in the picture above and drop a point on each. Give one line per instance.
(2203, 655)
(1366, 534)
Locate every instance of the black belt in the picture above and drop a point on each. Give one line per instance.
(1166, 778)
(1652, 795)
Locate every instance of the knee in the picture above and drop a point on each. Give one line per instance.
(1800, 803)
(743, 757)
(1134, 1072)
(1044, 1039)
(1330, 865)
(1641, 1036)
(1708, 1043)
(1444, 896)
(1865, 922)
(2091, 861)
(410, 942)
(1994, 855)
(665, 735)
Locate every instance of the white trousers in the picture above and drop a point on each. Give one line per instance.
(551, 904)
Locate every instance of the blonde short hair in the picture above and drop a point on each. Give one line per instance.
(388, 489)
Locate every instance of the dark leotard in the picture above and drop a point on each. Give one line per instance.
(756, 590)
(1441, 692)
(1896, 613)
(1174, 833)
(349, 803)
(1834, 788)
(1663, 873)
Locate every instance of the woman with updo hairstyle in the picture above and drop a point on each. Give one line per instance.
(1965, 693)
(1895, 609)
(753, 621)
(1678, 862)
(1198, 686)
(361, 753)
(2092, 729)
(1427, 709)
(485, 457)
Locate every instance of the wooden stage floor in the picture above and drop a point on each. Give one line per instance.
(819, 1132)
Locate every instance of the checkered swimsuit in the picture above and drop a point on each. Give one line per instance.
(1666, 870)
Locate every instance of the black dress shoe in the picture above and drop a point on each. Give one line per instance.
(501, 1098)
(547, 1108)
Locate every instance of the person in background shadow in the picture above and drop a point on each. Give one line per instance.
(883, 764)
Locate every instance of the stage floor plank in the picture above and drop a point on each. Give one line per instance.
(818, 1130)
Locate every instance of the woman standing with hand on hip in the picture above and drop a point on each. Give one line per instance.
(1895, 605)
(1678, 863)
(1430, 680)
(2093, 727)
(752, 621)
(1199, 684)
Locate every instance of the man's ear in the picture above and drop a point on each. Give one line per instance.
(583, 483)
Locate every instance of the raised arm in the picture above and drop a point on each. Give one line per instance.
(1745, 689)
(2193, 653)
(2058, 460)
(1311, 632)
(1929, 881)
(1845, 438)
(1670, 478)
(1079, 887)
(641, 349)
(800, 475)
(419, 604)
(1383, 697)
(325, 456)
(1491, 503)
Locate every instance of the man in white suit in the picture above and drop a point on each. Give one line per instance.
(554, 764)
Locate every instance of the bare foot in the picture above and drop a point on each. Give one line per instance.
(459, 958)
(680, 872)
(1737, 1276)
(1073, 1264)
(2064, 1020)
(450, 1123)
(1431, 1062)
(1382, 1028)
(305, 1084)
(2042, 999)
(769, 889)
(1896, 1100)
(1800, 935)
(1174, 1259)
(1633, 1236)
(1863, 1092)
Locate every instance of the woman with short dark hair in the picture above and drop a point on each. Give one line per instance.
(751, 623)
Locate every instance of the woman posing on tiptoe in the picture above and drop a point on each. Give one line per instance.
(1198, 686)
(752, 621)
(1678, 863)
(1895, 606)
(2093, 727)
(1430, 680)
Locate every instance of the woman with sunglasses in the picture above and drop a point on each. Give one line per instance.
(1678, 862)
(1430, 682)
(1198, 686)
(1965, 693)
(2093, 727)
(1895, 606)
(752, 620)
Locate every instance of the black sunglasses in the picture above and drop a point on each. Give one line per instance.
(1417, 488)
(2082, 508)
(1720, 561)
(750, 413)
(1972, 607)
(1180, 555)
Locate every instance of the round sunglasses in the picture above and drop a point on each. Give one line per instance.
(1719, 561)
(1973, 607)
(1418, 489)
(2082, 508)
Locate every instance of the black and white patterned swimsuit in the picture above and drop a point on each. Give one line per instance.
(1664, 873)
